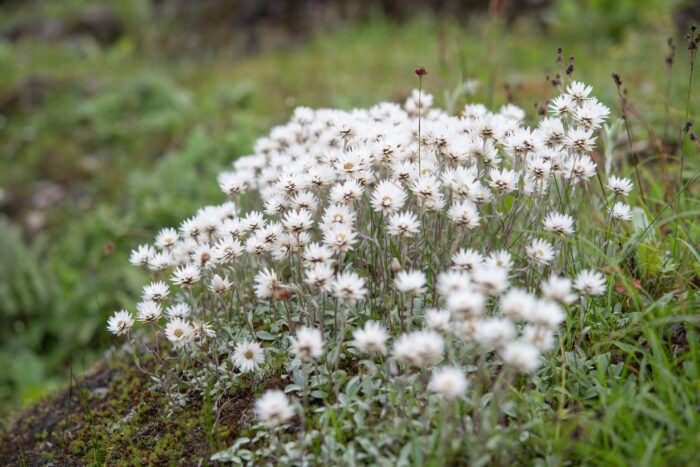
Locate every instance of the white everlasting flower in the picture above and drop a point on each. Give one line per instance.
(464, 214)
(591, 114)
(179, 332)
(248, 356)
(558, 289)
(501, 259)
(453, 280)
(346, 193)
(621, 211)
(149, 312)
(547, 314)
(517, 304)
(562, 106)
(155, 292)
(437, 320)
(305, 200)
(540, 251)
(419, 348)
(266, 283)
(298, 221)
(167, 238)
(142, 255)
(620, 186)
(522, 356)
(308, 343)
(338, 214)
(542, 338)
(410, 282)
(504, 181)
(539, 168)
(187, 275)
(404, 224)
(467, 260)
(371, 338)
(466, 303)
(178, 310)
(253, 221)
(494, 332)
(426, 187)
(319, 277)
(315, 254)
(560, 224)
(449, 382)
(273, 408)
(590, 282)
(339, 237)
(388, 197)
(203, 255)
(349, 287)
(578, 91)
(579, 168)
(491, 280)
(219, 284)
(120, 322)
(228, 250)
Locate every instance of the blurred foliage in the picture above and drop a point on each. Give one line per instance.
(102, 145)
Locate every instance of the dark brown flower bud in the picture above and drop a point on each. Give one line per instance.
(420, 72)
(617, 79)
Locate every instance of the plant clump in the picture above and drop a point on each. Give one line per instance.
(405, 269)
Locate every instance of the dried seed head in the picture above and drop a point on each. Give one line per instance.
(420, 72)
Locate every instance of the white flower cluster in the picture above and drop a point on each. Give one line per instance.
(479, 209)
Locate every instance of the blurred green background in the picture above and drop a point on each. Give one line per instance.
(116, 116)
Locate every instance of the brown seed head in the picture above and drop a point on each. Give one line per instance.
(420, 72)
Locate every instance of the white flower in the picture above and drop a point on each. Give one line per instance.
(201, 331)
(578, 91)
(142, 255)
(315, 254)
(248, 356)
(467, 260)
(591, 114)
(228, 250)
(370, 339)
(319, 277)
(410, 282)
(579, 168)
(621, 211)
(404, 224)
(453, 280)
(338, 214)
(522, 356)
(187, 275)
(308, 343)
(167, 238)
(178, 310)
(540, 251)
(590, 282)
(500, 258)
(253, 221)
(495, 332)
(491, 280)
(149, 312)
(179, 332)
(504, 181)
(437, 320)
(464, 214)
(155, 292)
(349, 287)
(120, 322)
(558, 289)
(388, 197)
(560, 224)
(541, 338)
(339, 237)
(298, 221)
(517, 304)
(273, 408)
(547, 314)
(449, 382)
(620, 186)
(346, 192)
(419, 348)
(265, 283)
(466, 303)
(219, 284)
